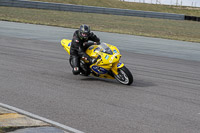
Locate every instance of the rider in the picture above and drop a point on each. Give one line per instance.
(80, 44)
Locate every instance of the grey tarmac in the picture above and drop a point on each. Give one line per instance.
(165, 98)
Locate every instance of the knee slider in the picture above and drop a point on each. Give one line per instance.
(76, 71)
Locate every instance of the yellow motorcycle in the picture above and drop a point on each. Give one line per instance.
(108, 66)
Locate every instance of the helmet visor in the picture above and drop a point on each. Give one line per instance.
(84, 34)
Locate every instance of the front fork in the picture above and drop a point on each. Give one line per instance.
(116, 66)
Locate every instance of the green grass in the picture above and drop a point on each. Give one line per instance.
(1, 130)
(9, 129)
(132, 5)
(170, 29)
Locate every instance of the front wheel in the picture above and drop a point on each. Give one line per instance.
(124, 76)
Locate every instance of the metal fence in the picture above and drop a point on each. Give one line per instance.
(89, 9)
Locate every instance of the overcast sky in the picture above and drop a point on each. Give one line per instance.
(172, 2)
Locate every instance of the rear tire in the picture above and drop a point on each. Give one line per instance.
(70, 61)
(84, 68)
(124, 76)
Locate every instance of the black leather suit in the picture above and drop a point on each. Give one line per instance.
(79, 46)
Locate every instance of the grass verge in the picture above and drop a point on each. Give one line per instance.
(9, 129)
(1, 130)
(132, 5)
(160, 28)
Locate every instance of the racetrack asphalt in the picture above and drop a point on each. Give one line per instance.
(165, 98)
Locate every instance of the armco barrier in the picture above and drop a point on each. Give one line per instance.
(89, 9)
(192, 18)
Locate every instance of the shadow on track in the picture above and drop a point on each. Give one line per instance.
(136, 83)
(142, 83)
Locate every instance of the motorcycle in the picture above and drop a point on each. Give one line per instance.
(108, 66)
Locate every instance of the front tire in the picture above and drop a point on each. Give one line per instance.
(124, 76)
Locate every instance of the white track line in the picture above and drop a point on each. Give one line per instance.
(69, 129)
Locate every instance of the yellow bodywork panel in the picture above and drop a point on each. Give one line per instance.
(66, 45)
(105, 64)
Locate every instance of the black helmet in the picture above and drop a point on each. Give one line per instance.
(84, 31)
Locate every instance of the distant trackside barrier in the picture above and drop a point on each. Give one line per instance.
(93, 9)
(192, 18)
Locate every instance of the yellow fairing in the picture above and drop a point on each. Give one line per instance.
(66, 45)
(107, 62)
(116, 66)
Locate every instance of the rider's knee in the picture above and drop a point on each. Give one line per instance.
(76, 70)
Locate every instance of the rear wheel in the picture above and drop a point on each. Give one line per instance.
(84, 68)
(70, 61)
(124, 76)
